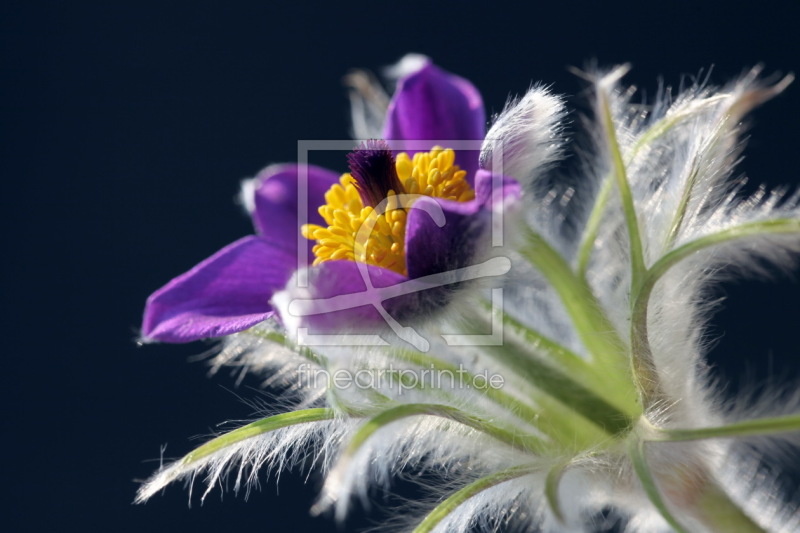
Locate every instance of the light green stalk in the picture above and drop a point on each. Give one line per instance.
(444, 509)
(254, 429)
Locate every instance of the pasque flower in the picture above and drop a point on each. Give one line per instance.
(594, 397)
(405, 214)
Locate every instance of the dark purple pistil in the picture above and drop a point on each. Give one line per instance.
(372, 166)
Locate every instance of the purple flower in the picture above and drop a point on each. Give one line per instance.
(426, 215)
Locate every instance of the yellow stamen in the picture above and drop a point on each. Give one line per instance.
(357, 233)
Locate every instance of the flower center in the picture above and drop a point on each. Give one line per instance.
(366, 211)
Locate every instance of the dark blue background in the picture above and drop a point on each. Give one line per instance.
(126, 128)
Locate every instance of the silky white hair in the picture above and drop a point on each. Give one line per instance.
(679, 154)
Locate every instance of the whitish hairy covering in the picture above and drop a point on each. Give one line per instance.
(368, 103)
(255, 352)
(422, 444)
(528, 134)
(678, 155)
(762, 495)
(302, 446)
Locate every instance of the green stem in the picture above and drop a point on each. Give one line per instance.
(671, 119)
(699, 494)
(548, 417)
(615, 386)
(643, 366)
(563, 388)
(747, 428)
(594, 328)
(282, 340)
(680, 212)
(778, 226)
(259, 427)
(593, 227)
(636, 451)
(551, 484)
(453, 502)
(745, 101)
(660, 128)
(526, 443)
(563, 357)
(628, 207)
(514, 406)
(703, 498)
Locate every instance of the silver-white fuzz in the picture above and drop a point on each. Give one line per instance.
(491, 456)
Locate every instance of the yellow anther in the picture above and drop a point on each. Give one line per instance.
(341, 253)
(358, 233)
(404, 167)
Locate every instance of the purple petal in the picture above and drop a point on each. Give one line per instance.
(228, 292)
(494, 189)
(432, 247)
(275, 216)
(339, 298)
(442, 237)
(433, 105)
